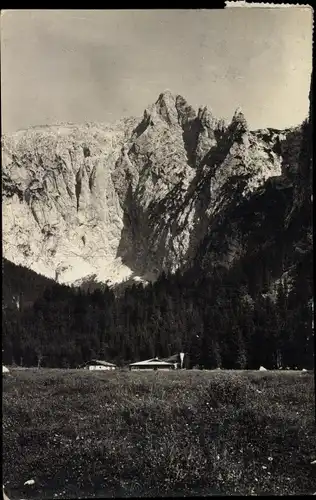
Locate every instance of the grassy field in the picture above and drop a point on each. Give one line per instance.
(87, 434)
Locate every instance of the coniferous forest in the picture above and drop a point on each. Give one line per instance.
(215, 320)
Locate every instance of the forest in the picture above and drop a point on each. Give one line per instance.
(215, 320)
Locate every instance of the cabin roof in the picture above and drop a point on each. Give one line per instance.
(100, 362)
(152, 362)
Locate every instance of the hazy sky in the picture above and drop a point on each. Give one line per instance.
(100, 65)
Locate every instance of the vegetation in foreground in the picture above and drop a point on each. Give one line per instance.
(79, 433)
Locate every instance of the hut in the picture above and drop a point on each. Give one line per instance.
(97, 364)
(152, 364)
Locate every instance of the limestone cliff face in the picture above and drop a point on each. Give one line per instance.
(266, 230)
(61, 214)
(132, 198)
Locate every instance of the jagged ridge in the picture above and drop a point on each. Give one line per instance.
(132, 198)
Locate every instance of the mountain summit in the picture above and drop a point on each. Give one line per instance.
(131, 199)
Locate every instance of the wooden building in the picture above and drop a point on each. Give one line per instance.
(152, 364)
(96, 364)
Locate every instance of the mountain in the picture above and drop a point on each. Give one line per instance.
(126, 201)
(218, 217)
(268, 234)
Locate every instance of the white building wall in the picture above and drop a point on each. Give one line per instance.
(149, 368)
(101, 367)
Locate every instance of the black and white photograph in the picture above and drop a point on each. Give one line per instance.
(157, 252)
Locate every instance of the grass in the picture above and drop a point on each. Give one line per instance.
(157, 434)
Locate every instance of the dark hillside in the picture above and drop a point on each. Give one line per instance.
(21, 286)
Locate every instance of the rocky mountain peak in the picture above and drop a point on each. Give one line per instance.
(172, 108)
(128, 199)
(206, 117)
(167, 96)
(239, 122)
(186, 113)
(165, 106)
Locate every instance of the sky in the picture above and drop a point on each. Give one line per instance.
(101, 65)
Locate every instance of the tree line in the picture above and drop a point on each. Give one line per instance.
(213, 319)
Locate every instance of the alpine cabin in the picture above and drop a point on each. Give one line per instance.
(152, 364)
(96, 364)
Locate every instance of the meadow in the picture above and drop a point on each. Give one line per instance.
(180, 433)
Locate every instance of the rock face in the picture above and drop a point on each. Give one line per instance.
(61, 214)
(133, 198)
